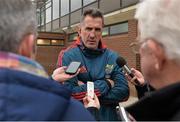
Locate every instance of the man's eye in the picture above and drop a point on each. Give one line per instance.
(88, 29)
(98, 30)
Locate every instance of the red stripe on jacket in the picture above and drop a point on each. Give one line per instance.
(61, 54)
(81, 95)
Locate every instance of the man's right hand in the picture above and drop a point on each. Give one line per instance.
(111, 82)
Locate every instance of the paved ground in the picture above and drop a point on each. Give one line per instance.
(130, 101)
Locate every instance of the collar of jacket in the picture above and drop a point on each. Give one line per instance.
(21, 63)
(89, 52)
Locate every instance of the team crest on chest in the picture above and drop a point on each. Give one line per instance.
(108, 70)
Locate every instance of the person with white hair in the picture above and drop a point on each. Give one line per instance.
(159, 26)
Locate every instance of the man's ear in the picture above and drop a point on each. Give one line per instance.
(26, 47)
(158, 54)
(79, 28)
(79, 31)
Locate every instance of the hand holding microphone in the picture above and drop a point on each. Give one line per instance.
(134, 76)
(137, 75)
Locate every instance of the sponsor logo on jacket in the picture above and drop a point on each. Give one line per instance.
(108, 70)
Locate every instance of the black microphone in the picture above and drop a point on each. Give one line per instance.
(121, 62)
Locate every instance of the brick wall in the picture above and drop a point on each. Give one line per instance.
(121, 44)
(47, 56)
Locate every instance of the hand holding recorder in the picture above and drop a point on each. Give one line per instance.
(90, 89)
(137, 75)
(134, 76)
(91, 102)
(63, 74)
(73, 68)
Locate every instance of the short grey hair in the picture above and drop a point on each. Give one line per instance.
(92, 12)
(160, 20)
(17, 19)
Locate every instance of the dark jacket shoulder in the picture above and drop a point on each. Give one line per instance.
(28, 97)
(158, 105)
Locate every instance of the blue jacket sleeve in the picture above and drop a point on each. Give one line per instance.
(79, 92)
(120, 91)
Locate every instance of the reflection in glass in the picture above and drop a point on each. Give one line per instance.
(57, 42)
(73, 37)
(119, 28)
(48, 11)
(105, 31)
(75, 4)
(86, 2)
(55, 9)
(42, 16)
(43, 42)
(64, 7)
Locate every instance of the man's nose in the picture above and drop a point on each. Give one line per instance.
(92, 33)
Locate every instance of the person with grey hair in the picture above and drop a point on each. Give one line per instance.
(26, 92)
(159, 27)
(98, 65)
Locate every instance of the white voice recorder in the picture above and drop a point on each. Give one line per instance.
(90, 89)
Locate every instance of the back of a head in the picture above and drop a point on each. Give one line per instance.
(159, 20)
(17, 19)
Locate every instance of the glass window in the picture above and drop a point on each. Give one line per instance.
(75, 17)
(94, 5)
(55, 24)
(57, 42)
(65, 21)
(108, 6)
(64, 7)
(48, 15)
(50, 42)
(126, 3)
(42, 16)
(48, 3)
(105, 31)
(73, 37)
(48, 27)
(43, 42)
(48, 11)
(55, 9)
(38, 16)
(75, 4)
(119, 28)
(86, 2)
